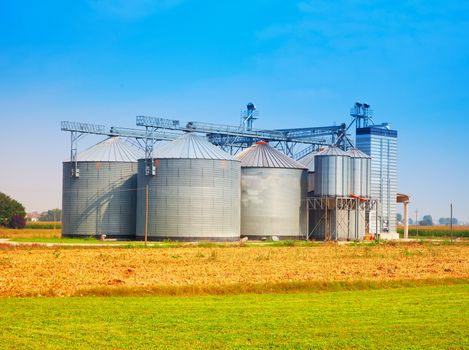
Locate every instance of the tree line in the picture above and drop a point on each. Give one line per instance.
(13, 213)
(427, 220)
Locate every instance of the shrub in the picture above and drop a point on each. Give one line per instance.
(17, 221)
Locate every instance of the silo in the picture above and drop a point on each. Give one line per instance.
(308, 161)
(332, 173)
(194, 195)
(273, 194)
(102, 199)
(360, 170)
(332, 180)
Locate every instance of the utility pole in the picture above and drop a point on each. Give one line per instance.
(146, 215)
(451, 221)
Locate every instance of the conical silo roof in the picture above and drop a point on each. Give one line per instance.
(356, 153)
(113, 149)
(262, 155)
(191, 146)
(308, 160)
(333, 151)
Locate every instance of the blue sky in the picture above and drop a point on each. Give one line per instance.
(303, 63)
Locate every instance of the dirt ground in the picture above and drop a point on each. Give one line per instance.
(33, 271)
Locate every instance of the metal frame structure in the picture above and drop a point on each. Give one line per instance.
(362, 115)
(248, 116)
(234, 138)
(326, 204)
(230, 138)
(136, 136)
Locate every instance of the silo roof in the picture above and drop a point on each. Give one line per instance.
(113, 149)
(356, 153)
(262, 155)
(333, 151)
(308, 160)
(191, 146)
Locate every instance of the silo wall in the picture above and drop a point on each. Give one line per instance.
(360, 176)
(310, 181)
(332, 175)
(101, 201)
(273, 203)
(190, 200)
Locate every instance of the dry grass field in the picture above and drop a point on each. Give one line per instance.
(40, 229)
(34, 271)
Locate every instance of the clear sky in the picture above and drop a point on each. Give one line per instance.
(303, 63)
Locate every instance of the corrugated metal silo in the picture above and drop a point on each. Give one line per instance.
(102, 199)
(360, 170)
(195, 194)
(308, 161)
(332, 173)
(273, 194)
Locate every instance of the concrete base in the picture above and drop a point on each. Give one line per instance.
(389, 236)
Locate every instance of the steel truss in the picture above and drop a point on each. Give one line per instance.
(349, 205)
(230, 138)
(140, 138)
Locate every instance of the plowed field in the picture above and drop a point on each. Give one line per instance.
(29, 271)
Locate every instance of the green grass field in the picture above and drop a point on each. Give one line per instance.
(406, 318)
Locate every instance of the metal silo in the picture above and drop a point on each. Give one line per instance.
(308, 161)
(102, 198)
(360, 170)
(332, 173)
(273, 194)
(194, 195)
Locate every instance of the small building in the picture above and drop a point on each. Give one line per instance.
(33, 216)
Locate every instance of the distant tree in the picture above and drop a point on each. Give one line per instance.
(427, 220)
(399, 217)
(51, 215)
(411, 222)
(446, 221)
(10, 210)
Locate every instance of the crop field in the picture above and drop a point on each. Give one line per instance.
(435, 231)
(280, 295)
(44, 225)
(43, 229)
(40, 271)
(29, 233)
